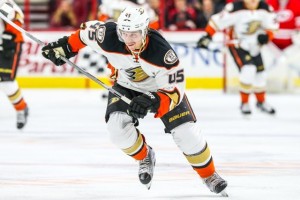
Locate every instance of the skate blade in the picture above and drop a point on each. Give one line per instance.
(224, 194)
(246, 116)
(148, 185)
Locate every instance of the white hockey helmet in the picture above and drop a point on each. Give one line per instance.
(133, 19)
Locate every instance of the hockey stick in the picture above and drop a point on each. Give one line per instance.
(110, 89)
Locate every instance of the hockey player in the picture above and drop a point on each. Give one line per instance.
(252, 23)
(11, 41)
(147, 72)
(288, 16)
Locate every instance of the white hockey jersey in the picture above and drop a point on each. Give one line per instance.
(18, 19)
(155, 69)
(245, 24)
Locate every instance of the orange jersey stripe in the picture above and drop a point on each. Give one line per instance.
(75, 41)
(164, 106)
(236, 57)
(11, 29)
(16, 56)
(210, 30)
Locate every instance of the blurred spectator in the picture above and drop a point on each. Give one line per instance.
(64, 15)
(288, 16)
(153, 9)
(111, 9)
(181, 17)
(84, 10)
(208, 8)
(220, 4)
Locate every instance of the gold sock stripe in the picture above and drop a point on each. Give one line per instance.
(15, 96)
(136, 146)
(199, 158)
(245, 87)
(259, 89)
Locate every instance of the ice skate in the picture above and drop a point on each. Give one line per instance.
(216, 184)
(264, 107)
(245, 109)
(146, 168)
(22, 118)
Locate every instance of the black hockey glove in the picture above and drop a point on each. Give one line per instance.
(263, 39)
(141, 104)
(204, 42)
(8, 44)
(54, 50)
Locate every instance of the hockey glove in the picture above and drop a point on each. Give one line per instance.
(204, 42)
(54, 50)
(263, 39)
(142, 104)
(8, 44)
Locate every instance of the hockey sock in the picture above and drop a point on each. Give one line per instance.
(244, 97)
(202, 162)
(139, 149)
(260, 97)
(17, 100)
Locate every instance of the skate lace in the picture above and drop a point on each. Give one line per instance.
(145, 165)
(21, 117)
(213, 181)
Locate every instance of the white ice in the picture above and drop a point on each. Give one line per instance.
(64, 152)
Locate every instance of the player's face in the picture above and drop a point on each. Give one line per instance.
(133, 40)
(251, 4)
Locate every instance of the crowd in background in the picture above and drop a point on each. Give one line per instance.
(177, 14)
(173, 15)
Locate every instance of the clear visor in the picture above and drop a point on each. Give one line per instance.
(133, 35)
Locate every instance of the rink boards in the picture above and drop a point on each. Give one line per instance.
(204, 69)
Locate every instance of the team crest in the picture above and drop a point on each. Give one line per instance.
(100, 34)
(170, 57)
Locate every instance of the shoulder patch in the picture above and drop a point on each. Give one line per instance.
(170, 57)
(100, 33)
(83, 26)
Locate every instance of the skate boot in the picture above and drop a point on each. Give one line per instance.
(146, 168)
(22, 118)
(264, 107)
(245, 109)
(216, 184)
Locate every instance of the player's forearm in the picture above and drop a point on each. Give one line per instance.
(75, 41)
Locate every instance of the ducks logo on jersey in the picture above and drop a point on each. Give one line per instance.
(136, 74)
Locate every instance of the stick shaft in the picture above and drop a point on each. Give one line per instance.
(116, 93)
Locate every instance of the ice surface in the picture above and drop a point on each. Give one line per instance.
(64, 152)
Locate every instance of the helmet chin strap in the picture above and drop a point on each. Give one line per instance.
(141, 47)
